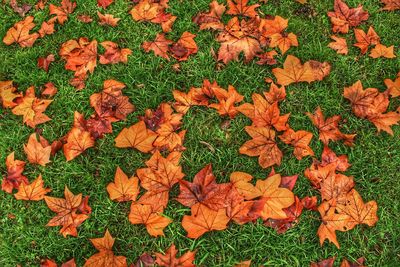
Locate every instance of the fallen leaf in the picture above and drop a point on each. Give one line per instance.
(104, 3)
(300, 140)
(344, 17)
(34, 191)
(108, 19)
(144, 214)
(62, 12)
(339, 45)
(382, 51)
(240, 7)
(170, 259)
(14, 177)
(19, 33)
(123, 189)
(137, 136)
(44, 62)
(38, 152)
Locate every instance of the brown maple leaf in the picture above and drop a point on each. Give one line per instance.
(169, 259)
(14, 177)
(390, 5)
(240, 7)
(343, 17)
(108, 19)
(62, 12)
(300, 140)
(19, 33)
(160, 46)
(71, 212)
(364, 40)
(34, 191)
(38, 152)
(44, 62)
(105, 256)
(339, 45)
(212, 18)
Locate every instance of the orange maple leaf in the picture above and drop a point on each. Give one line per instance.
(71, 212)
(226, 101)
(14, 176)
(169, 259)
(283, 41)
(300, 140)
(293, 72)
(344, 17)
(160, 46)
(137, 136)
(263, 145)
(144, 214)
(107, 19)
(34, 191)
(38, 152)
(204, 219)
(382, 51)
(212, 18)
(105, 256)
(393, 86)
(78, 141)
(123, 189)
(339, 45)
(184, 47)
(364, 40)
(8, 95)
(240, 7)
(113, 54)
(62, 12)
(390, 5)
(19, 33)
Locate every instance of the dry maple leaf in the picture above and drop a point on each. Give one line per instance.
(293, 72)
(84, 18)
(161, 173)
(344, 17)
(300, 140)
(8, 95)
(267, 58)
(243, 264)
(204, 219)
(184, 47)
(108, 19)
(44, 62)
(240, 7)
(113, 54)
(204, 190)
(19, 33)
(184, 101)
(160, 46)
(78, 141)
(14, 177)
(329, 128)
(105, 256)
(169, 259)
(263, 145)
(212, 18)
(328, 156)
(241, 182)
(226, 101)
(104, 3)
(49, 90)
(47, 27)
(372, 105)
(382, 51)
(71, 212)
(137, 136)
(276, 197)
(32, 108)
(123, 189)
(51, 263)
(38, 152)
(153, 11)
(364, 40)
(393, 86)
(144, 214)
(339, 45)
(238, 36)
(62, 12)
(391, 5)
(21, 10)
(34, 191)
(283, 41)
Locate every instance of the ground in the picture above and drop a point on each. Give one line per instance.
(375, 158)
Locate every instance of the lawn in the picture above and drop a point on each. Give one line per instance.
(375, 158)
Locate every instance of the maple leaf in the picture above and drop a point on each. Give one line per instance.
(104, 3)
(243, 264)
(85, 18)
(390, 5)
(283, 41)
(38, 152)
(329, 128)
(162, 173)
(344, 17)
(293, 72)
(382, 51)
(267, 58)
(123, 189)
(211, 19)
(293, 213)
(105, 256)
(137, 136)
(145, 260)
(108, 19)
(78, 141)
(113, 54)
(8, 95)
(51, 263)
(184, 47)
(241, 211)
(62, 12)
(195, 97)
(160, 46)
(393, 86)
(335, 186)
(272, 25)
(240, 7)
(324, 263)
(276, 197)
(71, 212)
(226, 101)
(157, 200)
(47, 28)
(44, 62)
(21, 10)
(49, 89)
(34, 191)
(19, 33)
(339, 45)
(14, 177)
(32, 108)
(371, 104)
(241, 182)
(111, 103)
(364, 40)
(204, 219)
(144, 214)
(236, 38)
(328, 156)
(169, 259)
(300, 140)
(203, 190)
(145, 10)
(263, 145)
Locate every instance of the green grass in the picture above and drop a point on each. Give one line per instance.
(375, 158)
